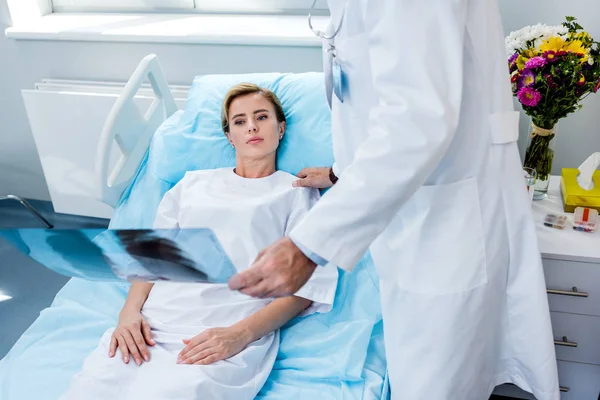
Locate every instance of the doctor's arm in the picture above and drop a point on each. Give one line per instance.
(415, 51)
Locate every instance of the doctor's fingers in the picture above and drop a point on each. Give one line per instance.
(305, 182)
(317, 181)
(249, 277)
(258, 290)
(304, 172)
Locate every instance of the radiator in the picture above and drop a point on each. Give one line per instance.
(66, 119)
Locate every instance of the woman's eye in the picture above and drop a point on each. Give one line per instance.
(238, 122)
(261, 117)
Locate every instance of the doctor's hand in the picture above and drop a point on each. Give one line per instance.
(132, 336)
(279, 270)
(314, 177)
(213, 345)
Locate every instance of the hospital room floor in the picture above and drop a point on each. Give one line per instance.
(31, 286)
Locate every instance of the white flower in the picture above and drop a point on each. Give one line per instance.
(518, 39)
(591, 61)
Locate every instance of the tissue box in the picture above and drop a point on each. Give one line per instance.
(574, 196)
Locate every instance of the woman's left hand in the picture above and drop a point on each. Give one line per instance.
(213, 345)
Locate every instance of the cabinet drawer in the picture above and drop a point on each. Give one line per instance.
(581, 381)
(576, 337)
(563, 276)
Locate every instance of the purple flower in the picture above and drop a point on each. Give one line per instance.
(550, 56)
(513, 58)
(529, 97)
(527, 78)
(535, 62)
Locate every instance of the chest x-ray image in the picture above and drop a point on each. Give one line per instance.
(187, 255)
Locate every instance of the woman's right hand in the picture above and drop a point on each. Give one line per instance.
(131, 336)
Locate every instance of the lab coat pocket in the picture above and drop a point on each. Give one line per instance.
(436, 244)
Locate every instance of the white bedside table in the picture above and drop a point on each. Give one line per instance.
(571, 262)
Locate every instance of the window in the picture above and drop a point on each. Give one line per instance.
(231, 6)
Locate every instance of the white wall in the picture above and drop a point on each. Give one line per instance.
(20, 168)
(24, 62)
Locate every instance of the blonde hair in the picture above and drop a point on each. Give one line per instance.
(243, 89)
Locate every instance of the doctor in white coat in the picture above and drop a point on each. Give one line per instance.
(430, 179)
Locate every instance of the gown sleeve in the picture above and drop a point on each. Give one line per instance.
(321, 287)
(167, 214)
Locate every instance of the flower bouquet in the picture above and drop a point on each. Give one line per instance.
(552, 69)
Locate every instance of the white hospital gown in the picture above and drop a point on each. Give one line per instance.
(246, 215)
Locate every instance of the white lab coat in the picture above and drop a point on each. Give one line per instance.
(431, 180)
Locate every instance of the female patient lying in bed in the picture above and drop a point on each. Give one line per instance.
(203, 341)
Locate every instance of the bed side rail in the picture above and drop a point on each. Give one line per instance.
(131, 130)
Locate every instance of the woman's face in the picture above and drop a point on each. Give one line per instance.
(253, 127)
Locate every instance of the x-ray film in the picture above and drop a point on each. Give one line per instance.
(179, 255)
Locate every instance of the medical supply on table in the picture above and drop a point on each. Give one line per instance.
(586, 219)
(580, 187)
(555, 221)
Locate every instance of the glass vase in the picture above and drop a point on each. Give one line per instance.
(539, 156)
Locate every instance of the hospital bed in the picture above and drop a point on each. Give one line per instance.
(339, 355)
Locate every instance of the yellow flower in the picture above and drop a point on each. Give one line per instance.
(575, 46)
(555, 43)
(521, 61)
